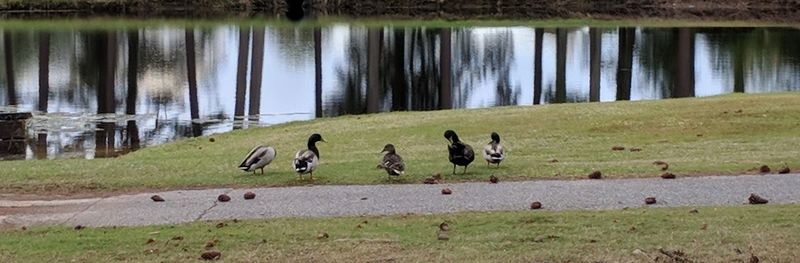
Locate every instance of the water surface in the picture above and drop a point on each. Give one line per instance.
(101, 93)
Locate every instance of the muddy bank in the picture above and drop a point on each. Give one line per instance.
(771, 10)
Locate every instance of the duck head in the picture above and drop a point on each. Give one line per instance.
(451, 136)
(495, 137)
(315, 138)
(389, 148)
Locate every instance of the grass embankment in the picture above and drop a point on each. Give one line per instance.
(718, 135)
(722, 234)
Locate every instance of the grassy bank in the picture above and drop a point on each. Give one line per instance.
(718, 135)
(714, 234)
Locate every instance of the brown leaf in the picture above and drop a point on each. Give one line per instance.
(157, 198)
(249, 196)
(596, 175)
(223, 198)
(764, 169)
(757, 200)
(617, 148)
(650, 200)
(493, 179)
(211, 255)
(447, 191)
(536, 205)
(668, 175)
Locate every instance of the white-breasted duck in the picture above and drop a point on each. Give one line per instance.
(494, 153)
(307, 160)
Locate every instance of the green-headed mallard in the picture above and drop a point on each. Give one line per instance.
(306, 160)
(392, 162)
(494, 153)
(460, 153)
(258, 157)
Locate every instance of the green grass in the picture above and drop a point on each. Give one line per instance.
(697, 136)
(715, 234)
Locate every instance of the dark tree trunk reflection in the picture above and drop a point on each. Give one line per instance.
(9, 63)
(44, 70)
(537, 66)
(191, 76)
(445, 64)
(40, 151)
(397, 72)
(561, 66)
(107, 58)
(595, 49)
(241, 71)
(256, 71)
(373, 69)
(318, 72)
(627, 37)
(684, 84)
(738, 68)
(133, 88)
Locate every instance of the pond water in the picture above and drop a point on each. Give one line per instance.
(102, 93)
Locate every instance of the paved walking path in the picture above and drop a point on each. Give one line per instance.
(331, 201)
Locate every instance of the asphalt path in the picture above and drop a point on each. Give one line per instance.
(356, 200)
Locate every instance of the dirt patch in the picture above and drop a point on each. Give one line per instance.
(28, 210)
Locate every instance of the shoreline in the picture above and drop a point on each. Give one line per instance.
(772, 10)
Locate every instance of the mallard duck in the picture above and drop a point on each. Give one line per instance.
(392, 162)
(306, 160)
(460, 153)
(258, 157)
(493, 152)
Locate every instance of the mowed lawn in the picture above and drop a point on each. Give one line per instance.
(729, 134)
(709, 234)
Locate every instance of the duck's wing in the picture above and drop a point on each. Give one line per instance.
(493, 152)
(488, 150)
(469, 154)
(305, 160)
(499, 149)
(254, 156)
(394, 164)
(265, 157)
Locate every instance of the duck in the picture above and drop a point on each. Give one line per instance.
(392, 161)
(258, 158)
(494, 153)
(460, 153)
(307, 160)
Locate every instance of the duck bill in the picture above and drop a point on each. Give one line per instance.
(323, 140)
